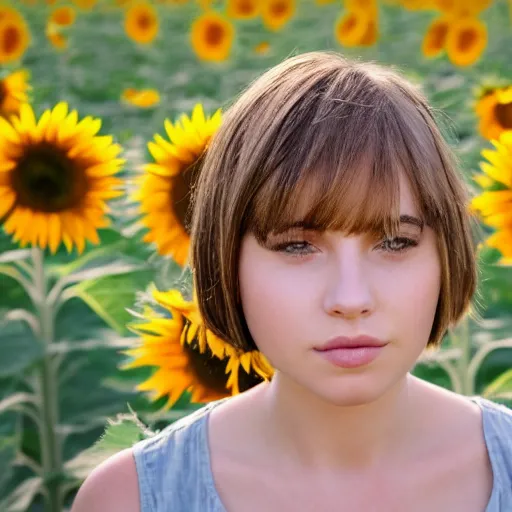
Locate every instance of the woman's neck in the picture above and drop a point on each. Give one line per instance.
(303, 429)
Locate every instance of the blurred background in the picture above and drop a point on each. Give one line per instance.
(106, 109)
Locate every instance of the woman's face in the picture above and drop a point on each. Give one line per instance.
(304, 288)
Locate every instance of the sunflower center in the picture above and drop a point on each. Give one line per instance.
(214, 34)
(245, 7)
(180, 194)
(278, 8)
(10, 40)
(209, 370)
(247, 381)
(467, 40)
(144, 21)
(503, 112)
(46, 180)
(349, 24)
(439, 36)
(3, 92)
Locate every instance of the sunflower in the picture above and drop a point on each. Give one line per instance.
(418, 5)
(355, 28)
(435, 38)
(142, 98)
(466, 41)
(56, 38)
(212, 37)
(63, 16)
(141, 22)
(14, 35)
(163, 190)
(243, 9)
(7, 12)
(495, 203)
(55, 177)
(461, 8)
(188, 357)
(86, 5)
(276, 13)
(371, 35)
(13, 92)
(254, 364)
(262, 48)
(494, 110)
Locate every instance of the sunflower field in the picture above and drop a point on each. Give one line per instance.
(106, 109)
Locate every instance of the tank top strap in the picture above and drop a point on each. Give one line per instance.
(173, 467)
(497, 425)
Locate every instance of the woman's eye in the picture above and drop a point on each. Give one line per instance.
(296, 248)
(398, 244)
(301, 248)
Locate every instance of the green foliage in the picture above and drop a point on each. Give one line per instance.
(121, 433)
(20, 349)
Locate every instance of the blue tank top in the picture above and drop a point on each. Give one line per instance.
(174, 471)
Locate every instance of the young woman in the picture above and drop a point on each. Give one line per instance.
(330, 231)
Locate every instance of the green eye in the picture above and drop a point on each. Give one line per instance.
(398, 244)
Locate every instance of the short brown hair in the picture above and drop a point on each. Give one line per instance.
(345, 130)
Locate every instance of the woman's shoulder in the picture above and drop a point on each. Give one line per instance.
(111, 487)
(161, 471)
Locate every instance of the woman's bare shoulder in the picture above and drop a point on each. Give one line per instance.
(111, 487)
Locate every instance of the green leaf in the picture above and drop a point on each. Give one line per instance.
(19, 348)
(11, 272)
(13, 295)
(114, 248)
(9, 443)
(109, 269)
(20, 499)
(501, 385)
(88, 370)
(6, 244)
(109, 297)
(121, 433)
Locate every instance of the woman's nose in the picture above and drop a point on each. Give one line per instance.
(348, 291)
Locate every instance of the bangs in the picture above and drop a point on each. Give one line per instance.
(336, 164)
(338, 176)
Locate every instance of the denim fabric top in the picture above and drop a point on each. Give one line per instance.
(174, 471)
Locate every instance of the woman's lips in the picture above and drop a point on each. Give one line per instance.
(362, 340)
(351, 357)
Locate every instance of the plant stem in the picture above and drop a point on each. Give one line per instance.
(51, 453)
(468, 386)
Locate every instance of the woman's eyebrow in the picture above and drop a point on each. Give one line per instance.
(404, 219)
(298, 224)
(410, 219)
